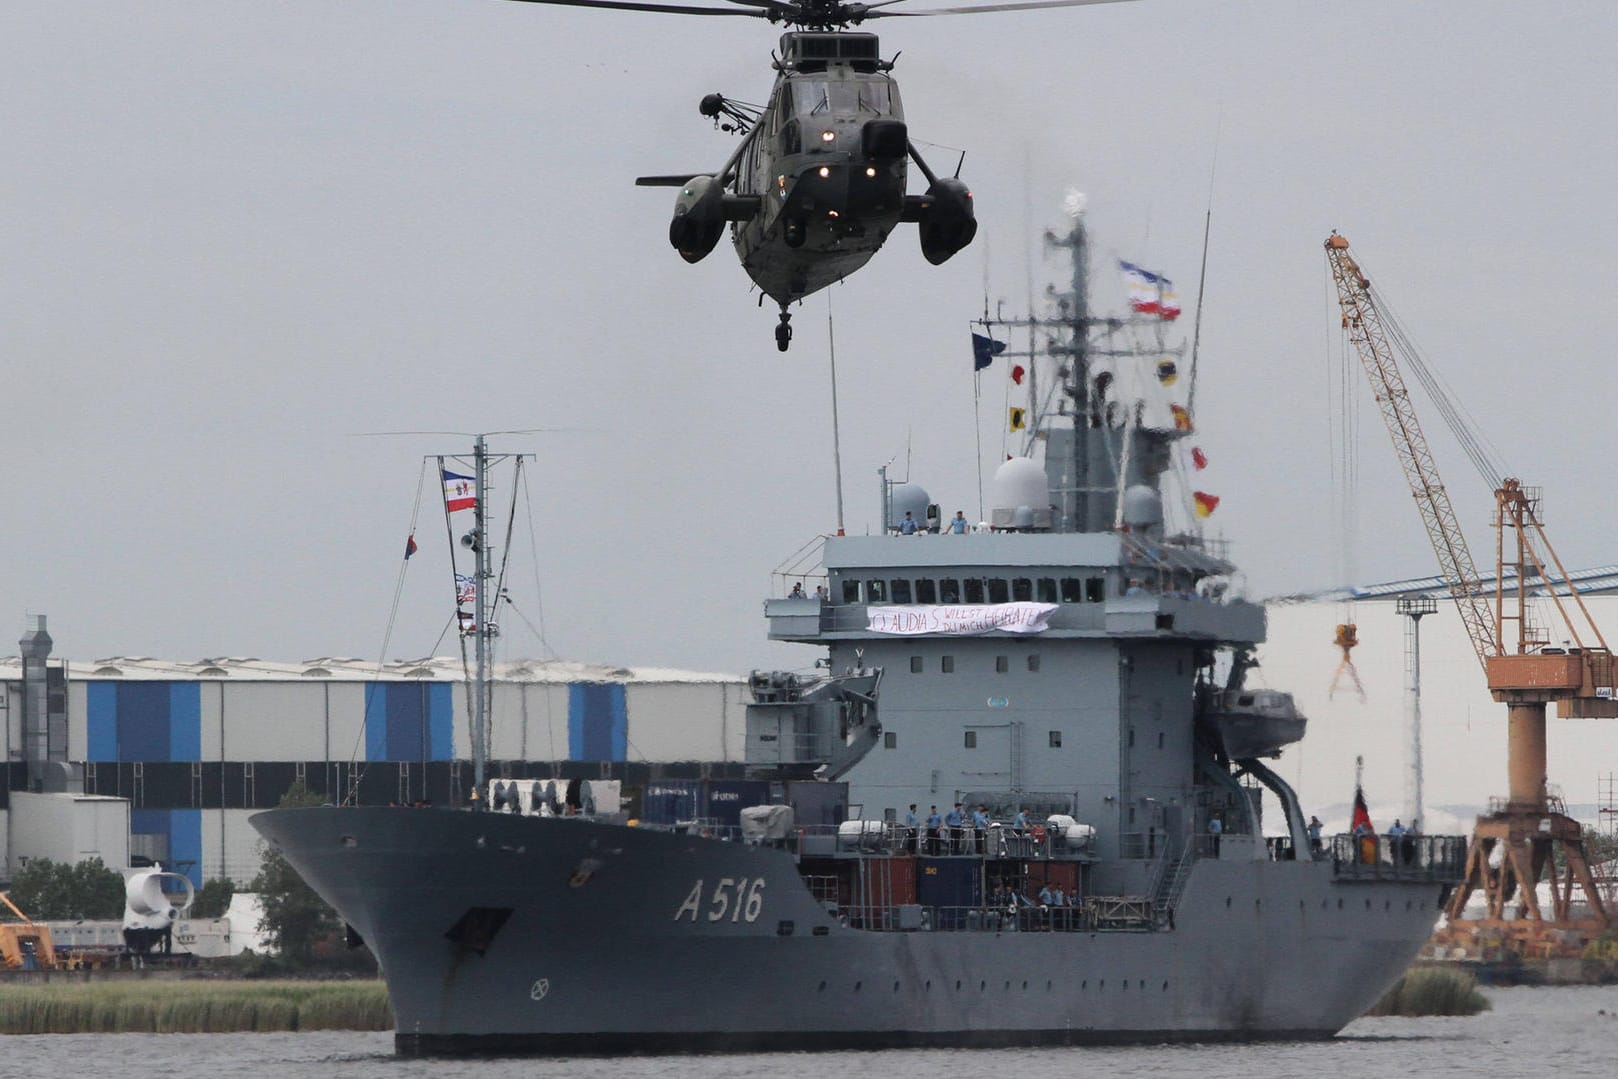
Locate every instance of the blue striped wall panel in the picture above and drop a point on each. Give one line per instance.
(441, 722)
(407, 721)
(185, 721)
(184, 830)
(101, 722)
(376, 722)
(143, 721)
(597, 722)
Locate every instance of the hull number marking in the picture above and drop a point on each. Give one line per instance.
(734, 899)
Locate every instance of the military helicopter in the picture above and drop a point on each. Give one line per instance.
(819, 178)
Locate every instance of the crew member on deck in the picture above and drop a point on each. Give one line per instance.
(955, 821)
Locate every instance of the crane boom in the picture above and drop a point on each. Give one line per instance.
(1364, 326)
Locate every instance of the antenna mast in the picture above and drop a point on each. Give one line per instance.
(480, 621)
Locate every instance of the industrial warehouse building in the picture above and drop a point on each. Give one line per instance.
(132, 758)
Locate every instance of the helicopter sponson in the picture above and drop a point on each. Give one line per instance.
(944, 218)
(701, 210)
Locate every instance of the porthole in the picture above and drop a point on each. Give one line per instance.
(1025, 987)
(957, 985)
(1367, 904)
(822, 988)
(1227, 902)
(1085, 984)
(1008, 987)
(1339, 904)
(1387, 904)
(857, 986)
(983, 986)
(929, 985)
(895, 987)
(1165, 985)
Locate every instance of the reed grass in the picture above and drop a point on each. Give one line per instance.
(193, 1007)
(1432, 991)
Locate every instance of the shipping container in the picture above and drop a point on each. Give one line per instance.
(1064, 875)
(670, 802)
(951, 885)
(888, 882)
(724, 799)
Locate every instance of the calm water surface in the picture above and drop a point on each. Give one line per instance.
(1565, 1032)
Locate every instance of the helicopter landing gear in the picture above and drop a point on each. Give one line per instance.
(783, 333)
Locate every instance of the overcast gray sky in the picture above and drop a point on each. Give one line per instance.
(235, 235)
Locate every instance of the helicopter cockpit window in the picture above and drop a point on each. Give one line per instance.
(815, 98)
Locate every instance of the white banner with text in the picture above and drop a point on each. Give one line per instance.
(961, 620)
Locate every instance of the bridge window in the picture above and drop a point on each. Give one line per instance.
(901, 590)
(974, 590)
(1072, 590)
(1047, 590)
(971, 739)
(1095, 589)
(926, 591)
(890, 740)
(915, 664)
(851, 591)
(1056, 739)
(1033, 662)
(998, 592)
(947, 664)
(1002, 664)
(1022, 589)
(949, 590)
(876, 591)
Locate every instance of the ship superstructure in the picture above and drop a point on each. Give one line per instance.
(1021, 801)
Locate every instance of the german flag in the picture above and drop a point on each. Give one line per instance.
(1364, 832)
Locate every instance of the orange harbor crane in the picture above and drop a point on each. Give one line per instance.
(1528, 836)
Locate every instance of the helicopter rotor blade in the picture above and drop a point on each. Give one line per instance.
(982, 9)
(634, 5)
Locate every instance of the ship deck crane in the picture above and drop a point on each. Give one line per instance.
(1521, 835)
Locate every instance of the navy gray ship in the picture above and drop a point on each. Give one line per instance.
(1128, 864)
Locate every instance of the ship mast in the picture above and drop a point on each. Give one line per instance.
(1077, 519)
(480, 609)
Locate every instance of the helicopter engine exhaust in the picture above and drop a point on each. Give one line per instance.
(944, 218)
(699, 218)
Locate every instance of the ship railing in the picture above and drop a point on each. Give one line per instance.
(1081, 918)
(1402, 857)
(885, 838)
(1282, 849)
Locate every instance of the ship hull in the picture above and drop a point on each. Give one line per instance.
(501, 933)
